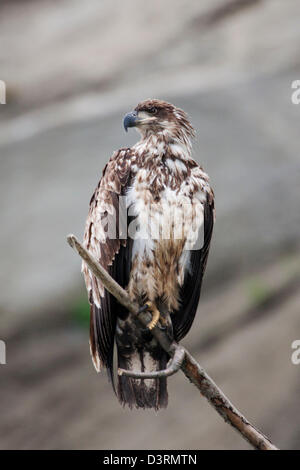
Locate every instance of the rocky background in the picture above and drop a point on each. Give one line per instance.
(72, 70)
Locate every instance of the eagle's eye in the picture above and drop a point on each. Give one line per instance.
(152, 110)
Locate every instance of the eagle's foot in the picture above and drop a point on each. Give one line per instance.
(155, 314)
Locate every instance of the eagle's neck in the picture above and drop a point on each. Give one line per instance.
(164, 144)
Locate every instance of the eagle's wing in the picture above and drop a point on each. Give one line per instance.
(103, 239)
(190, 292)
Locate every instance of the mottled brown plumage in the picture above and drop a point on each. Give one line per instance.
(158, 200)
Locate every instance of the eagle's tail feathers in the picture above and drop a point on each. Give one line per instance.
(142, 393)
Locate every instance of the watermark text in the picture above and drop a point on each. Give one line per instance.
(2, 352)
(295, 97)
(2, 92)
(295, 358)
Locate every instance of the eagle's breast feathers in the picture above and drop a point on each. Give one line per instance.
(166, 198)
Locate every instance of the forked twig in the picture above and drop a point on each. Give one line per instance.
(195, 373)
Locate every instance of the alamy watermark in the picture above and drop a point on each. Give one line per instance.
(295, 357)
(2, 352)
(182, 221)
(295, 97)
(2, 92)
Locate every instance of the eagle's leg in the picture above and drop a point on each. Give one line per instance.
(155, 315)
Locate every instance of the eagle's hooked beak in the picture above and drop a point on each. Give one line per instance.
(130, 120)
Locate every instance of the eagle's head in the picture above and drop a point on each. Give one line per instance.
(159, 118)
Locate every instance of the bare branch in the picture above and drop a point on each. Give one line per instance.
(193, 371)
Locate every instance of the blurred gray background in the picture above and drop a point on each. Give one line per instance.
(72, 70)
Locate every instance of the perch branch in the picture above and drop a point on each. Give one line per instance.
(193, 371)
(175, 364)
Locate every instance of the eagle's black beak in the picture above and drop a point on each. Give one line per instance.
(130, 120)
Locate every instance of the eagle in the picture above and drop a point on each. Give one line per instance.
(149, 225)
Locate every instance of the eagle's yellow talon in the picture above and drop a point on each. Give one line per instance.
(155, 316)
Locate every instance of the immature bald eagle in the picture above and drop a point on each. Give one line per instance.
(168, 201)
